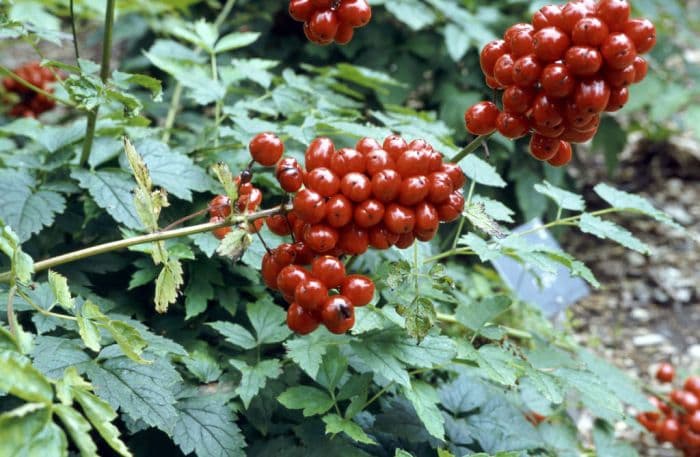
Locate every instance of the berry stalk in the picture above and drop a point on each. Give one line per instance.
(142, 239)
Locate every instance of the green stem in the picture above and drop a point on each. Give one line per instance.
(34, 88)
(416, 268)
(471, 147)
(462, 218)
(11, 310)
(177, 92)
(142, 239)
(514, 332)
(217, 106)
(73, 30)
(43, 311)
(104, 75)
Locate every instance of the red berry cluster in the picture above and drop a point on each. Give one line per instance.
(560, 73)
(326, 21)
(345, 201)
(31, 104)
(676, 421)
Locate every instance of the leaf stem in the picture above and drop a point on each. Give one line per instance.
(11, 310)
(43, 311)
(462, 218)
(510, 331)
(73, 30)
(141, 239)
(34, 88)
(471, 147)
(104, 75)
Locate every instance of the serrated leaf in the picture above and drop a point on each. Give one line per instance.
(268, 320)
(609, 230)
(475, 315)
(425, 401)
(29, 431)
(336, 424)
(481, 171)
(254, 378)
(19, 378)
(138, 167)
(594, 395)
(78, 428)
(141, 391)
(100, 414)
(24, 209)
(225, 177)
(59, 287)
(235, 334)
(235, 40)
(22, 263)
(563, 198)
(623, 200)
(480, 247)
(53, 355)
(495, 209)
(129, 340)
(206, 426)
(168, 284)
(476, 213)
(308, 352)
(111, 190)
(89, 333)
(455, 42)
(234, 244)
(311, 400)
(420, 316)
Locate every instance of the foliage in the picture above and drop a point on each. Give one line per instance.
(169, 344)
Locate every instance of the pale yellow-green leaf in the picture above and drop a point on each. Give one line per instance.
(129, 340)
(168, 284)
(59, 286)
(28, 431)
(235, 243)
(78, 428)
(90, 333)
(70, 382)
(138, 166)
(101, 415)
(19, 378)
(225, 177)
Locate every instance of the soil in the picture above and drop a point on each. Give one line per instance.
(648, 308)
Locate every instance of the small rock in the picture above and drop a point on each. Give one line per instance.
(650, 339)
(694, 351)
(640, 314)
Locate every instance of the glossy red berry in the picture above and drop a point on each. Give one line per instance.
(526, 71)
(642, 33)
(399, 219)
(562, 156)
(413, 162)
(266, 149)
(278, 224)
(368, 213)
(451, 209)
(615, 13)
(456, 175)
(512, 125)
(221, 232)
(665, 373)
(618, 51)
(319, 153)
(339, 211)
(490, 54)
(589, 31)
(301, 321)
(354, 13)
(543, 148)
(381, 237)
(378, 160)
(356, 187)
(366, 145)
(323, 181)
(311, 294)
(386, 185)
(323, 24)
(353, 240)
(481, 118)
(517, 100)
(220, 206)
(548, 16)
(358, 289)
(550, 44)
(583, 60)
(394, 145)
(309, 206)
(329, 270)
(289, 174)
(320, 237)
(414, 190)
(440, 187)
(427, 217)
(289, 278)
(557, 81)
(338, 314)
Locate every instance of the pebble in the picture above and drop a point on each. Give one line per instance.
(640, 314)
(650, 339)
(694, 351)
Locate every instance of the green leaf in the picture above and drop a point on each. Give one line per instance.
(78, 428)
(475, 315)
(52, 355)
(607, 229)
(235, 334)
(563, 198)
(332, 369)
(24, 209)
(311, 400)
(19, 378)
(605, 443)
(425, 401)
(22, 263)
(129, 340)
(101, 415)
(499, 426)
(269, 321)
(202, 363)
(235, 40)
(420, 316)
(413, 13)
(234, 245)
(476, 213)
(226, 179)
(481, 171)
(28, 431)
(611, 138)
(480, 247)
(308, 352)
(623, 200)
(89, 332)
(207, 426)
(168, 284)
(141, 391)
(455, 43)
(336, 424)
(112, 192)
(59, 286)
(254, 378)
(495, 209)
(594, 395)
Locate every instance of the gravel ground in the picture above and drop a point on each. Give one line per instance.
(648, 309)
